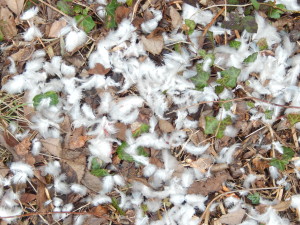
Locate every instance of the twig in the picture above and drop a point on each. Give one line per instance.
(55, 9)
(229, 192)
(212, 21)
(135, 7)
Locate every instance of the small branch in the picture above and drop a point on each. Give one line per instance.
(212, 21)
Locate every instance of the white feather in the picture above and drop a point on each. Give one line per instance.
(36, 147)
(30, 13)
(80, 189)
(75, 39)
(101, 199)
(61, 186)
(31, 33)
(21, 171)
(196, 150)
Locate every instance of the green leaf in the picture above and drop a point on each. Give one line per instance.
(1, 35)
(255, 4)
(233, 2)
(219, 89)
(141, 151)
(177, 47)
(122, 154)
(85, 22)
(255, 198)
(64, 7)
(250, 24)
(235, 44)
(110, 9)
(293, 118)
(226, 105)
(229, 77)
(100, 172)
(251, 58)
(200, 80)
(115, 204)
(95, 164)
(279, 163)
(269, 114)
(49, 94)
(191, 25)
(77, 9)
(144, 128)
(212, 124)
(207, 56)
(275, 12)
(262, 44)
(288, 153)
(250, 104)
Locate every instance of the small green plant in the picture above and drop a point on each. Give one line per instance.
(96, 169)
(216, 127)
(269, 114)
(239, 23)
(110, 20)
(229, 77)
(115, 204)
(254, 198)
(275, 11)
(287, 155)
(235, 44)
(251, 58)
(293, 118)
(49, 94)
(144, 128)
(200, 80)
(191, 26)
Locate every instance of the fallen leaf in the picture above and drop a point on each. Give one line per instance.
(260, 164)
(175, 17)
(202, 164)
(165, 126)
(233, 218)
(7, 23)
(99, 211)
(15, 5)
(23, 147)
(27, 197)
(121, 13)
(212, 184)
(22, 55)
(3, 169)
(99, 69)
(78, 166)
(153, 45)
(92, 182)
(56, 27)
(78, 142)
(282, 206)
(121, 131)
(53, 146)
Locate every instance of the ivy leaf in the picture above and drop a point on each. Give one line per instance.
(206, 56)
(224, 123)
(293, 118)
(251, 58)
(191, 25)
(219, 89)
(115, 204)
(250, 24)
(255, 198)
(255, 4)
(212, 124)
(288, 153)
(269, 114)
(110, 9)
(279, 163)
(226, 105)
(144, 128)
(229, 77)
(64, 7)
(239, 23)
(95, 164)
(100, 172)
(85, 22)
(77, 9)
(250, 104)
(235, 44)
(275, 12)
(49, 94)
(200, 80)
(122, 154)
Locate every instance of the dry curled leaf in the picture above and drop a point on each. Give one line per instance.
(282, 206)
(165, 126)
(99, 210)
(99, 69)
(15, 5)
(7, 23)
(121, 13)
(175, 17)
(78, 142)
(153, 45)
(56, 27)
(53, 146)
(23, 147)
(233, 218)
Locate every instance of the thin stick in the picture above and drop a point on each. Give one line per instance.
(229, 192)
(55, 9)
(135, 7)
(212, 22)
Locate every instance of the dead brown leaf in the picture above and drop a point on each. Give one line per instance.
(92, 182)
(99, 69)
(56, 27)
(53, 146)
(260, 164)
(153, 45)
(282, 206)
(233, 218)
(23, 147)
(175, 17)
(121, 13)
(78, 166)
(121, 134)
(27, 197)
(22, 55)
(78, 142)
(202, 164)
(15, 5)
(7, 23)
(165, 126)
(212, 184)
(99, 210)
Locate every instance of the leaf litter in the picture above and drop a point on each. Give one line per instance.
(150, 112)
